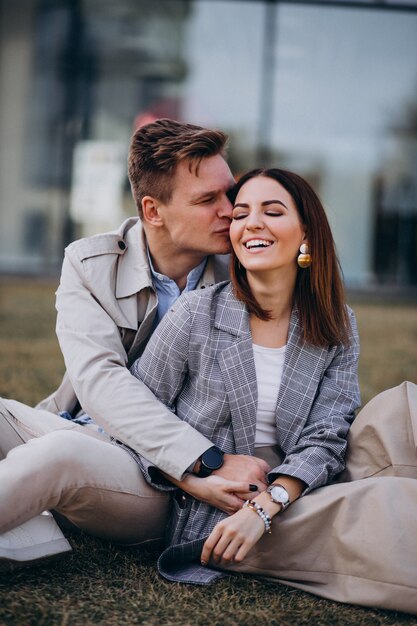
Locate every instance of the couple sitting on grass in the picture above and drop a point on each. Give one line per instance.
(220, 421)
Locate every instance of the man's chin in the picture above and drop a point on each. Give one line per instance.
(224, 248)
(216, 247)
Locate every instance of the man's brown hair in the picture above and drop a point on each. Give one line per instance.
(158, 147)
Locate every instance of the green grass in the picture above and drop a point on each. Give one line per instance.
(102, 584)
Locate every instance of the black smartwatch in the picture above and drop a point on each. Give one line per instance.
(211, 460)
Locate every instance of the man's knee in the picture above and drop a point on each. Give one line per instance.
(60, 452)
(91, 462)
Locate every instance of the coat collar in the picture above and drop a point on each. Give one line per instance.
(134, 276)
(133, 272)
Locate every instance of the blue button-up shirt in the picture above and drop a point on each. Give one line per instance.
(167, 289)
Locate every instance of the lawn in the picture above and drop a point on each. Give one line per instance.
(102, 584)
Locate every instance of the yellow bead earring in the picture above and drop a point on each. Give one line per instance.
(304, 259)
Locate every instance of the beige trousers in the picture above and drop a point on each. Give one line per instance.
(77, 472)
(356, 541)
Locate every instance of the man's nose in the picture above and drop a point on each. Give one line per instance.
(225, 208)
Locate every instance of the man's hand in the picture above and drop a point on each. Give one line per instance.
(243, 468)
(226, 495)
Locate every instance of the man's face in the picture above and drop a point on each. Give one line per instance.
(197, 217)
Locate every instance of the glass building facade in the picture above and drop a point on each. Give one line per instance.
(327, 89)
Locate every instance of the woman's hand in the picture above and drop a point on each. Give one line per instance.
(233, 537)
(226, 495)
(242, 467)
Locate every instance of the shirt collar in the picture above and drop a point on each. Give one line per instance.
(192, 278)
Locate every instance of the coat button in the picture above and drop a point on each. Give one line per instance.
(121, 245)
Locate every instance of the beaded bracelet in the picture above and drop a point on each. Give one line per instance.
(251, 504)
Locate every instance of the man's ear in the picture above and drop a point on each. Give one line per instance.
(150, 211)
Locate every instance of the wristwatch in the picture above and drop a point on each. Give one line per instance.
(279, 495)
(211, 460)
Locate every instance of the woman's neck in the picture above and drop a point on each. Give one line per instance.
(273, 290)
(274, 294)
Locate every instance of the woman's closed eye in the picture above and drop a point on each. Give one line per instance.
(239, 215)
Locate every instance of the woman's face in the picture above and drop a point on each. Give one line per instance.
(266, 231)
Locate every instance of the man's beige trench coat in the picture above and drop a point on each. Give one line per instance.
(106, 305)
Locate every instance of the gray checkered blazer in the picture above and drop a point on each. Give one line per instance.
(199, 362)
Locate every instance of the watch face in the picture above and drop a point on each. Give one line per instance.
(279, 494)
(212, 459)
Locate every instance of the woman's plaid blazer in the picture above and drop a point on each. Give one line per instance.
(199, 362)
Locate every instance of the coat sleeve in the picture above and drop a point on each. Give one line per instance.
(96, 364)
(163, 368)
(318, 455)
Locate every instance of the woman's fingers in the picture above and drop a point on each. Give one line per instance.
(222, 542)
(230, 503)
(232, 538)
(238, 467)
(231, 551)
(243, 489)
(220, 547)
(242, 552)
(227, 495)
(209, 545)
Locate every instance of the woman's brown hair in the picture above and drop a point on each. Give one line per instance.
(319, 293)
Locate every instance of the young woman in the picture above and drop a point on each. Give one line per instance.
(267, 366)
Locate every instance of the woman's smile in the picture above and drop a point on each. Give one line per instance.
(266, 231)
(257, 245)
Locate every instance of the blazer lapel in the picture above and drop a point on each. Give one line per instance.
(237, 365)
(300, 379)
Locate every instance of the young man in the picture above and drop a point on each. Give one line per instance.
(114, 290)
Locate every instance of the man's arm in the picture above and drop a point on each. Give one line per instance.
(96, 363)
(95, 359)
(163, 367)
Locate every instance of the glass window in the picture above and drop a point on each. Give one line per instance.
(328, 91)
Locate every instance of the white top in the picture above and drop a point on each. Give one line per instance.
(269, 365)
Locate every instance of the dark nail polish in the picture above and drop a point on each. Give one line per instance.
(253, 487)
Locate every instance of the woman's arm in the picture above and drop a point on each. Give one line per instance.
(233, 537)
(318, 454)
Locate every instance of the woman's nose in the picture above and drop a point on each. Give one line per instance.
(254, 222)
